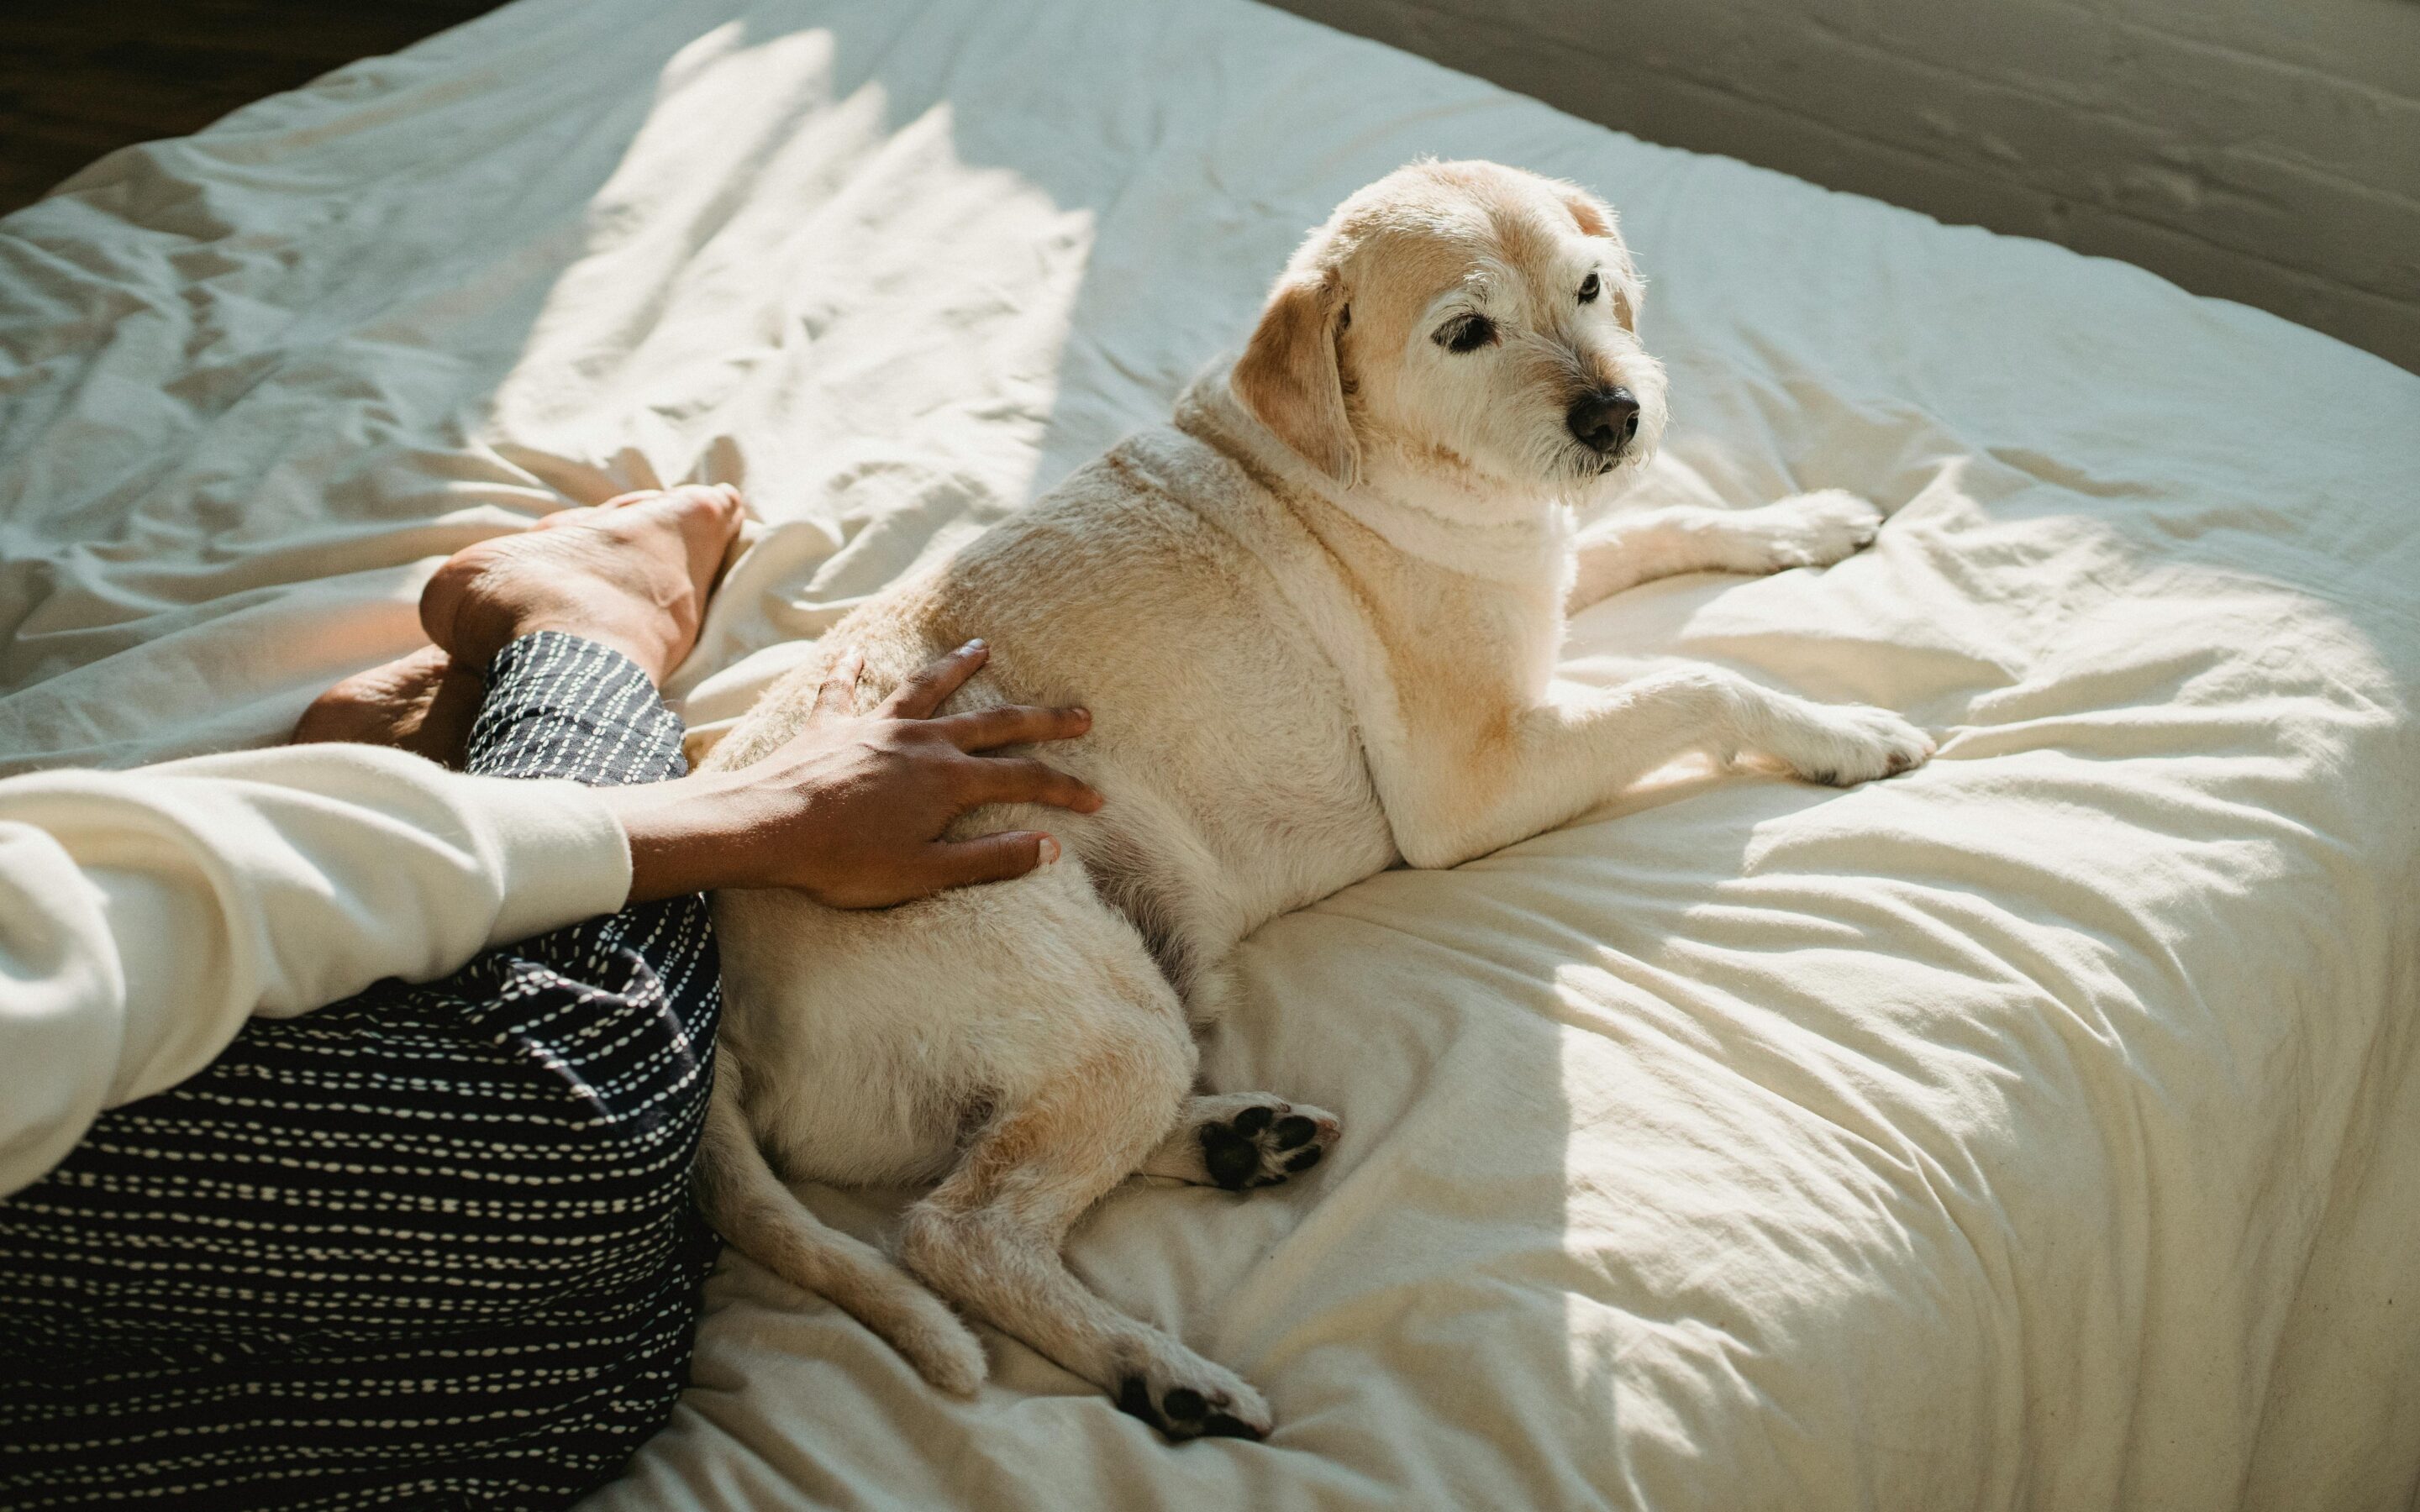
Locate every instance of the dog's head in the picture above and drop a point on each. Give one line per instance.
(1462, 319)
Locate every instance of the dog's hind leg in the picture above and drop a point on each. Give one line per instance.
(748, 1206)
(1243, 1140)
(989, 1236)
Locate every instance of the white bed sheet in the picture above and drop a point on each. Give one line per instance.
(2040, 1130)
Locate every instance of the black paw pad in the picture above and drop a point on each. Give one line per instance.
(1232, 1159)
(1183, 1413)
(1134, 1399)
(1184, 1405)
(1219, 1426)
(1261, 1144)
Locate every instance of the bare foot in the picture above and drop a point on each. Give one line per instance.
(632, 572)
(420, 704)
(633, 575)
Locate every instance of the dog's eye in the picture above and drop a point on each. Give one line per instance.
(1588, 288)
(1467, 335)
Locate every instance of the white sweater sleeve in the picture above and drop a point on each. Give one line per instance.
(145, 915)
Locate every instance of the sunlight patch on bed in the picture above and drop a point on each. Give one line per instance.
(781, 288)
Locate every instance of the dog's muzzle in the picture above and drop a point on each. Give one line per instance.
(1604, 421)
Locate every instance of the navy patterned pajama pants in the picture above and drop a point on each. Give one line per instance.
(432, 1246)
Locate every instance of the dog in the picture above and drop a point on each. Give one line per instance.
(1314, 618)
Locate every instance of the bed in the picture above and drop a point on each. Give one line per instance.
(2040, 1130)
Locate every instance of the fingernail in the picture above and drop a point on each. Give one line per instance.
(975, 644)
(1050, 850)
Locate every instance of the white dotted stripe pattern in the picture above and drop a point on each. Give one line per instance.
(429, 1247)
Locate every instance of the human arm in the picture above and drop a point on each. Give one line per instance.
(850, 809)
(145, 915)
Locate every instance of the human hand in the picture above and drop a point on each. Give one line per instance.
(850, 809)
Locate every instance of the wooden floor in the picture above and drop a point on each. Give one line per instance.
(79, 78)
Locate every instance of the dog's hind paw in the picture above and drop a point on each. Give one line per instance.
(1188, 1397)
(1243, 1140)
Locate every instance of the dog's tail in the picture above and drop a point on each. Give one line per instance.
(747, 1204)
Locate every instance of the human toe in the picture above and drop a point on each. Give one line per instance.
(708, 517)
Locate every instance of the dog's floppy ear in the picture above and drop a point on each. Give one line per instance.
(1595, 218)
(1289, 375)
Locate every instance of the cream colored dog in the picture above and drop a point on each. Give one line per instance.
(1314, 620)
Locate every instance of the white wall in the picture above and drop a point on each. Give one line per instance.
(2262, 150)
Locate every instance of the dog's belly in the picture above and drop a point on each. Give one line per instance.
(1196, 871)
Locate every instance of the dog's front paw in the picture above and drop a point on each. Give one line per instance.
(1841, 745)
(1815, 530)
(1185, 1396)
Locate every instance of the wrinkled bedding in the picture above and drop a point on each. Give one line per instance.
(2040, 1130)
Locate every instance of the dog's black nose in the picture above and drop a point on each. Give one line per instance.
(1604, 421)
